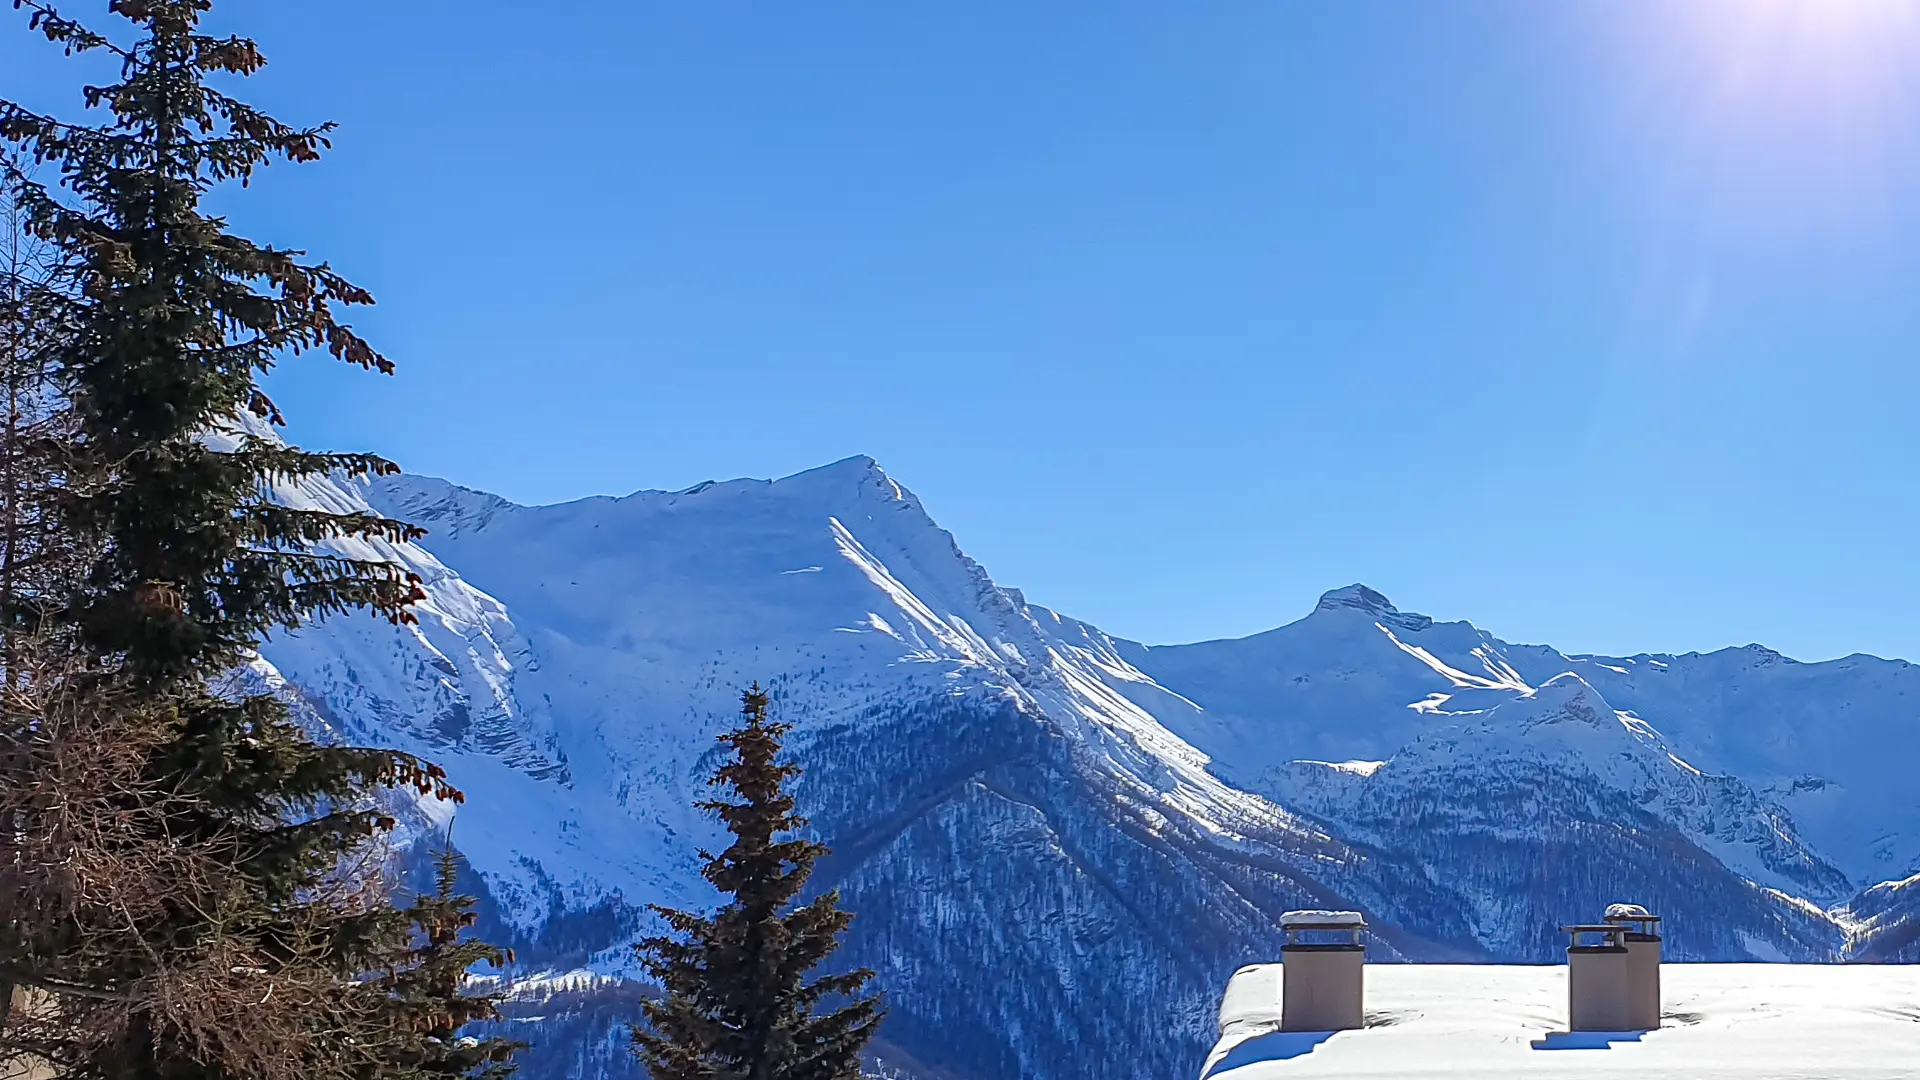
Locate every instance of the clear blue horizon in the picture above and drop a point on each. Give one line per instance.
(1594, 324)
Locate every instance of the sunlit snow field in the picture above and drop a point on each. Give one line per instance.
(1751, 1021)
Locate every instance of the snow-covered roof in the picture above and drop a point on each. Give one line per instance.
(1467, 1022)
(1322, 918)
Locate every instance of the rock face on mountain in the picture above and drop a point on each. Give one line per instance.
(1059, 844)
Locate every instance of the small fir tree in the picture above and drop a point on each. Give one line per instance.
(429, 992)
(738, 1004)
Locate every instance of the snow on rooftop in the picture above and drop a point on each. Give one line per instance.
(1627, 911)
(1323, 918)
(1464, 1022)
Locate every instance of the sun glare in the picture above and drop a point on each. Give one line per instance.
(1809, 43)
(1806, 112)
(1759, 137)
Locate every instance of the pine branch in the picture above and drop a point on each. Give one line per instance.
(64, 31)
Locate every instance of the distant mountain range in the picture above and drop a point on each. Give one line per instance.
(1059, 843)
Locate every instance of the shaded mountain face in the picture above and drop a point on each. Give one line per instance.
(1060, 844)
(1886, 922)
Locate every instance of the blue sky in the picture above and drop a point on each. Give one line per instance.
(1592, 322)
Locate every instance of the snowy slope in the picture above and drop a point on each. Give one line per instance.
(1552, 801)
(1832, 742)
(1048, 833)
(650, 613)
(985, 770)
(1362, 702)
(1353, 681)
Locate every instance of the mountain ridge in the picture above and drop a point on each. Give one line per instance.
(1017, 795)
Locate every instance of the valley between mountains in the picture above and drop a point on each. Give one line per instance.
(1059, 844)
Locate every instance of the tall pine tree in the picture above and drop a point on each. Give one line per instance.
(739, 1005)
(428, 991)
(169, 321)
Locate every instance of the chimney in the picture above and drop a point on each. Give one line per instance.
(1599, 991)
(1643, 961)
(1321, 971)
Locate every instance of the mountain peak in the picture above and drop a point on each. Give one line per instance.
(1569, 697)
(1357, 596)
(860, 476)
(853, 469)
(446, 508)
(1372, 604)
(822, 484)
(848, 472)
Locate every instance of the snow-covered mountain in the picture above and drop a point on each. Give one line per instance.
(1886, 922)
(1059, 844)
(1831, 742)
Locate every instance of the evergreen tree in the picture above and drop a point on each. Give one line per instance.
(429, 992)
(169, 321)
(738, 1004)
